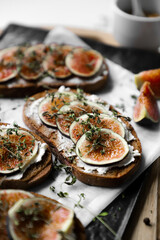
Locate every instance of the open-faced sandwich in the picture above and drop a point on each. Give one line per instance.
(26, 216)
(25, 159)
(86, 133)
(25, 70)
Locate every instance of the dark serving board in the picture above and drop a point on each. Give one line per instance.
(132, 59)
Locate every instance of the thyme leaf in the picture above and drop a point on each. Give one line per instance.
(81, 197)
(62, 194)
(70, 180)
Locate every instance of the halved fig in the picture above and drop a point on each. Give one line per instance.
(32, 64)
(69, 113)
(146, 106)
(7, 199)
(84, 62)
(17, 149)
(50, 105)
(9, 60)
(153, 77)
(101, 146)
(39, 218)
(54, 63)
(85, 122)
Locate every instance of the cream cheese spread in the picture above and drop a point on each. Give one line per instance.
(102, 170)
(32, 111)
(66, 145)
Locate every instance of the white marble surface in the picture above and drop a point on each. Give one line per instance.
(92, 14)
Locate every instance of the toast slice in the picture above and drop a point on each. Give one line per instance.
(77, 228)
(61, 145)
(34, 174)
(19, 86)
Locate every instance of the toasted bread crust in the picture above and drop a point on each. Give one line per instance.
(111, 178)
(34, 175)
(19, 87)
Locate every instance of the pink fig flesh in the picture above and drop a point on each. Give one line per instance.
(151, 76)
(146, 106)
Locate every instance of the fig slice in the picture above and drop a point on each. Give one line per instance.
(7, 73)
(84, 62)
(7, 199)
(9, 60)
(101, 147)
(50, 105)
(153, 77)
(69, 113)
(32, 64)
(44, 218)
(54, 62)
(17, 149)
(146, 106)
(85, 122)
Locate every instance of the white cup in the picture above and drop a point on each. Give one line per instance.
(135, 31)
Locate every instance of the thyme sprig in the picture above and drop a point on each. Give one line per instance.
(35, 65)
(80, 94)
(70, 179)
(62, 194)
(81, 197)
(7, 146)
(79, 204)
(107, 226)
(94, 136)
(18, 156)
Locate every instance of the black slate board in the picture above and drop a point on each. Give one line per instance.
(132, 59)
(135, 60)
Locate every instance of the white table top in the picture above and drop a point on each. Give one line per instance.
(89, 14)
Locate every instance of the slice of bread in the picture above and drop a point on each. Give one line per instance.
(61, 145)
(34, 174)
(78, 229)
(20, 87)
